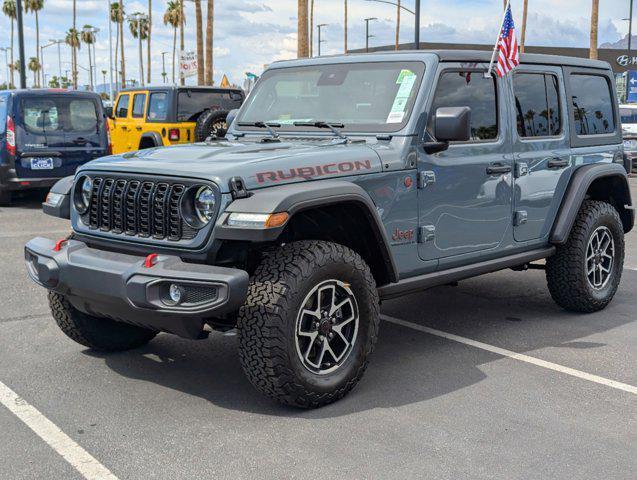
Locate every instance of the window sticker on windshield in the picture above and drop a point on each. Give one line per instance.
(406, 80)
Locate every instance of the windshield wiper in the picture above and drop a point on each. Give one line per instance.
(334, 127)
(267, 125)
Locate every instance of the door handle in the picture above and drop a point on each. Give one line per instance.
(124, 127)
(498, 169)
(139, 129)
(558, 163)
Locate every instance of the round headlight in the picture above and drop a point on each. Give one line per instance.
(83, 191)
(205, 203)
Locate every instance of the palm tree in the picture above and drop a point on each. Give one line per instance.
(523, 31)
(210, 21)
(345, 22)
(121, 41)
(34, 66)
(9, 9)
(117, 17)
(182, 80)
(594, 28)
(302, 37)
(138, 25)
(35, 6)
(172, 17)
(397, 24)
(311, 28)
(150, 28)
(88, 37)
(199, 30)
(73, 40)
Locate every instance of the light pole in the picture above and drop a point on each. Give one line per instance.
(23, 63)
(367, 35)
(139, 18)
(6, 61)
(110, 53)
(630, 26)
(42, 47)
(163, 65)
(59, 42)
(417, 26)
(401, 7)
(318, 27)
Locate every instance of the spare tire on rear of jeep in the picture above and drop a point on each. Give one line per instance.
(211, 123)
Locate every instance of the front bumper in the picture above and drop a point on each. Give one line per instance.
(121, 286)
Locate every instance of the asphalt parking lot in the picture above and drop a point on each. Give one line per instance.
(445, 396)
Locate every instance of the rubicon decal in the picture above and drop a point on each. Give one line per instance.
(312, 172)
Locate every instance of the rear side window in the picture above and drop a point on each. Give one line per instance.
(158, 107)
(122, 106)
(592, 105)
(473, 90)
(41, 115)
(4, 100)
(190, 103)
(537, 105)
(139, 100)
(82, 115)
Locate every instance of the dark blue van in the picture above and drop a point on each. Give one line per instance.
(46, 134)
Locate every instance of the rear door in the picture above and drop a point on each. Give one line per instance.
(541, 146)
(137, 120)
(85, 131)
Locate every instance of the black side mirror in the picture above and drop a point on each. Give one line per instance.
(232, 114)
(108, 112)
(451, 124)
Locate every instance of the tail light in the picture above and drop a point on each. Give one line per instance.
(10, 136)
(173, 134)
(109, 148)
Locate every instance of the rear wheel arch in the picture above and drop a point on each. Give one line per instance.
(150, 140)
(602, 182)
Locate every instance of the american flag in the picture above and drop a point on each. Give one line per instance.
(509, 58)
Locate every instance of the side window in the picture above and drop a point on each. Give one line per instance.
(122, 106)
(473, 90)
(83, 115)
(537, 104)
(158, 107)
(592, 105)
(139, 99)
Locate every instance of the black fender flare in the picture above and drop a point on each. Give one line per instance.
(154, 136)
(295, 198)
(61, 209)
(579, 188)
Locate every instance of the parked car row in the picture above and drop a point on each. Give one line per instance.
(47, 134)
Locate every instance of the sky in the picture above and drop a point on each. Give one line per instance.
(252, 33)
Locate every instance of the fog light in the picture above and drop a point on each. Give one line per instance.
(176, 293)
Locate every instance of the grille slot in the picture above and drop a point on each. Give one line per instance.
(139, 208)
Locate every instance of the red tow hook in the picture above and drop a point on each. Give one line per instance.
(59, 244)
(151, 260)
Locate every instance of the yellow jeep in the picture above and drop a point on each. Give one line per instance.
(149, 117)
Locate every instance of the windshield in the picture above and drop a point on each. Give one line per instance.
(363, 97)
(629, 115)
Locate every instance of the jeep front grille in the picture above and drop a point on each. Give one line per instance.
(140, 208)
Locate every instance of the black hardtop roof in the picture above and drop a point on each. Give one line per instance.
(450, 55)
(52, 91)
(154, 88)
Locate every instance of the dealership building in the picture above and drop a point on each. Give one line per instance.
(622, 61)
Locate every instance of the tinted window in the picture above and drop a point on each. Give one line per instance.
(83, 115)
(158, 107)
(122, 106)
(473, 90)
(190, 103)
(592, 105)
(629, 115)
(41, 115)
(3, 112)
(537, 105)
(139, 99)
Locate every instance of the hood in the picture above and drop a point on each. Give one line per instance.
(259, 164)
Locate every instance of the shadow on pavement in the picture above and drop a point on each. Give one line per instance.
(29, 199)
(407, 366)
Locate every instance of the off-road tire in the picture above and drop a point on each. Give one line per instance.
(566, 270)
(267, 322)
(101, 334)
(211, 123)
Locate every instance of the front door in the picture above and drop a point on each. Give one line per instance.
(542, 149)
(465, 191)
(121, 124)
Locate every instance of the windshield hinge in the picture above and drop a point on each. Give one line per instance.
(238, 188)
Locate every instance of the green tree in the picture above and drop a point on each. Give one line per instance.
(172, 17)
(138, 25)
(9, 9)
(117, 17)
(34, 6)
(88, 37)
(34, 66)
(54, 82)
(73, 40)
(199, 35)
(210, 20)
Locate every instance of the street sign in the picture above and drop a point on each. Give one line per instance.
(187, 64)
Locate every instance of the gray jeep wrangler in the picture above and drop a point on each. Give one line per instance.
(342, 182)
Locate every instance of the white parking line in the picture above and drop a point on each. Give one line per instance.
(59, 441)
(517, 356)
